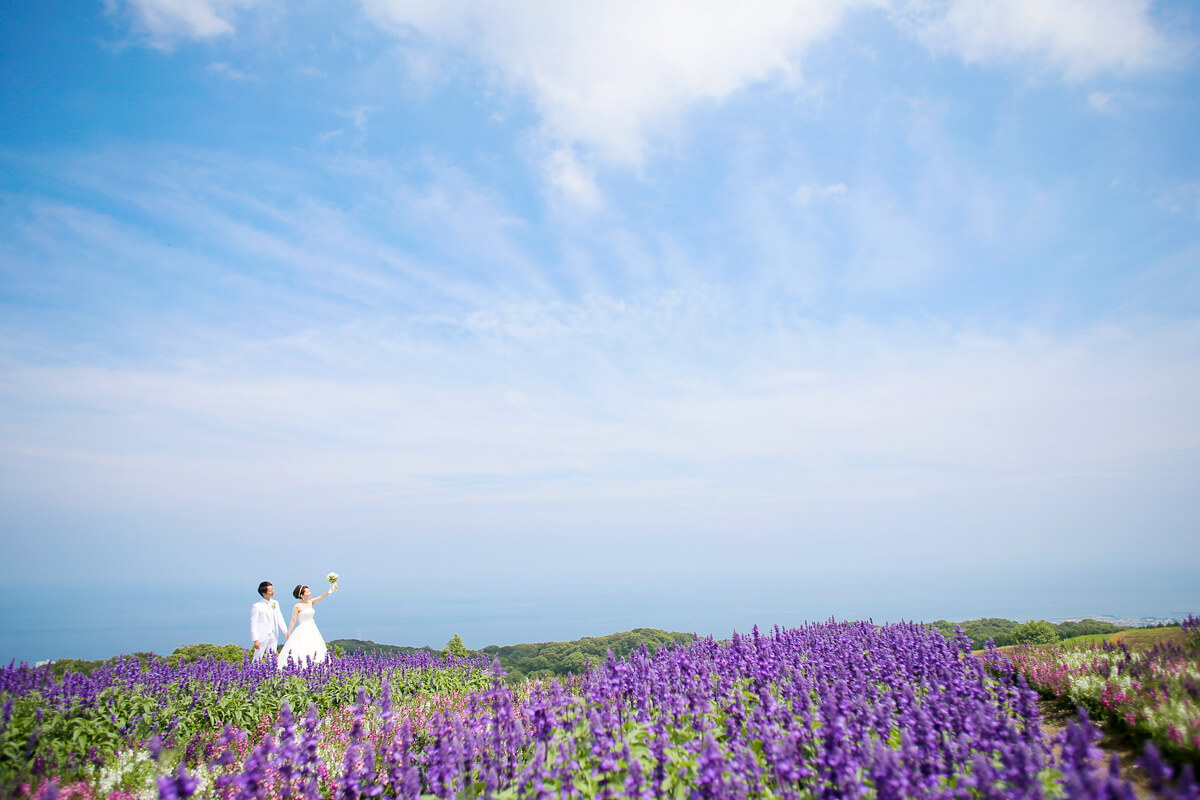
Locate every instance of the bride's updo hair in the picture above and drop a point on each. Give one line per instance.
(299, 590)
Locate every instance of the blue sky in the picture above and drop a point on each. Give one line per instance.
(538, 321)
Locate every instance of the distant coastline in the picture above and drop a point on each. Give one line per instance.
(558, 658)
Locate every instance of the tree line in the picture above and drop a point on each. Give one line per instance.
(1008, 632)
(542, 659)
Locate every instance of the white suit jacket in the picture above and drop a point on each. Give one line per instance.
(264, 619)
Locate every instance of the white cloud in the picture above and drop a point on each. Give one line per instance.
(807, 194)
(1102, 102)
(358, 115)
(166, 21)
(1074, 38)
(571, 180)
(607, 76)
(228, 71)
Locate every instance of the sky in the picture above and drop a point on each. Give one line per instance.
(545, 320)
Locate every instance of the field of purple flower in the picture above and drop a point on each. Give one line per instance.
(834, 710)
(92, 729)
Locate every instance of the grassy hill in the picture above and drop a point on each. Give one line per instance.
(1149, 637)
(1133, 638)
(1094, 638)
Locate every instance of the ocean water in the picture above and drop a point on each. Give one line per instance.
(44, 624)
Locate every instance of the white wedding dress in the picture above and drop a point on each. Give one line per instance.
(305, 642)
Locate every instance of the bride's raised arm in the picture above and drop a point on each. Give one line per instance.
(332, 589)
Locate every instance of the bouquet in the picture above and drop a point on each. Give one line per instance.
(332, 578)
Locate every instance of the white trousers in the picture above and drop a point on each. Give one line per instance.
(266, 646)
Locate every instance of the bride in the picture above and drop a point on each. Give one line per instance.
(304, 641)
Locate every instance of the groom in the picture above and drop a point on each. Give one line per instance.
(264, 620)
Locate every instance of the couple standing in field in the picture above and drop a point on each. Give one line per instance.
(302, 640)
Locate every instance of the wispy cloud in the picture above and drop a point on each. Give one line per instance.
(571, 180)
(229, 72)
(358, 115)
(1104, 102)
(165, 22)
(1076, 39)
(1183, 198)
(806, 194)
(407, 376)
(856, 412)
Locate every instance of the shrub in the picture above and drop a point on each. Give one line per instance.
(192, 653)
(1038, 632)
(456, 648)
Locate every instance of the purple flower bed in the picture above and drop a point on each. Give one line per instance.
(72, 728)
(834, 710)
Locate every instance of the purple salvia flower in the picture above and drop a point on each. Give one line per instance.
(1157, 770)
(179, 786)
(155, 745)
(711, 766)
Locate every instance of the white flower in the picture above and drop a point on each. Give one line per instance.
(274, 604)
(332, 577)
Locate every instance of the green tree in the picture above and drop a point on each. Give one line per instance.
(455, 647)
(572, 663)
(1037, 632)
(195, 652)
(1085, 627)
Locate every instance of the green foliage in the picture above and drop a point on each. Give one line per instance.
(1001, 630)
(561, 658)
(367, 646)
(980, 630)
(1086, 627)
(455, 647)
(1036, 632)
(64, 665)
(195, 652)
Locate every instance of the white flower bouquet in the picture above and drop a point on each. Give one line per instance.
(333, 579)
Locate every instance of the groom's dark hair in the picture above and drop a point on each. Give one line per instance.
(262, 587)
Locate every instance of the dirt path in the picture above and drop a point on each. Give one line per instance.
(1055, 717)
